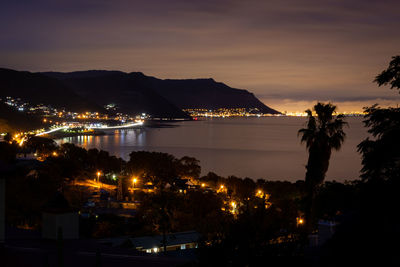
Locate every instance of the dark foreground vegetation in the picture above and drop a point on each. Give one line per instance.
(241, 222)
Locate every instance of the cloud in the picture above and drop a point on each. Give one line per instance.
(297, 49)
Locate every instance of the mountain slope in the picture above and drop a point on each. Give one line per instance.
(12, 120)
(208, 94)
(37, 88)
(130, 92)
(135, 88)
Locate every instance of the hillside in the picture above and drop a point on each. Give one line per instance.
(12, 120)
(37, 88)
(208, 94)
(127, 89)
(131, 94)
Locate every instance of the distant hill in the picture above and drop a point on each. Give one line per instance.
(139, 90)
(37, 88)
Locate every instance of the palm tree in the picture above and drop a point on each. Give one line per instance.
(323, 133)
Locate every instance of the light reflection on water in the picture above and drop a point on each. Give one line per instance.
(253, 147)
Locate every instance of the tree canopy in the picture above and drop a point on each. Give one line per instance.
(381, 154)
(391, 75)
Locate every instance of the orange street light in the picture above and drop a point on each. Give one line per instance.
(300, 221)
(134, 181)
(98, 176)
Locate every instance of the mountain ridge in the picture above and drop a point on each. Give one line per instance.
(132, 92)
(185, 93)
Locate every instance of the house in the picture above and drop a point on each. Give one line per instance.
(5, 169)
(2, 210)
(326, 229)
(175, 241)
(58, 218)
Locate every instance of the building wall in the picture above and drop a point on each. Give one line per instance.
(68, 222)
(2, 209)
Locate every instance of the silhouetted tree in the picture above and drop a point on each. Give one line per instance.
(189, 167)
(323, 133)
(367, 234)
(391, 75)
(381, 156)
(41, 145)
(8, 152)
(8, 137)
(160, 168)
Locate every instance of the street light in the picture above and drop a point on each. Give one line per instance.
(134, 181)
(300, 221)
(98, 176)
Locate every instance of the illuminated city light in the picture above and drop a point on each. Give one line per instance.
(299, 221)
(98, 176)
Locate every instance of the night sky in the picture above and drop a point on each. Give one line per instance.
(289, 53)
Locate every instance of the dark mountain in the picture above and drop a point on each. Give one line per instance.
(132, 93)
(37, 88)
(136, 90)
(208, 94)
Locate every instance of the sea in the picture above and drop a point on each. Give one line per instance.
(264, 147)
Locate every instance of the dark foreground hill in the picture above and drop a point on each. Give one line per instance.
(12, 120)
